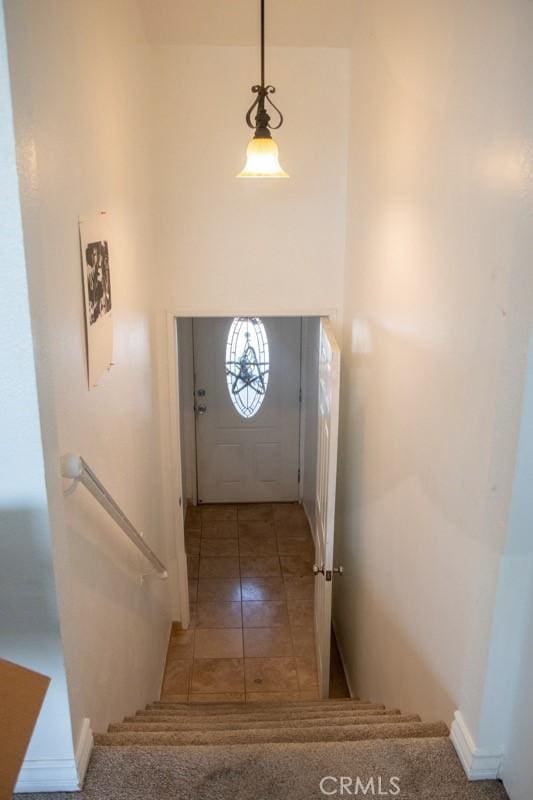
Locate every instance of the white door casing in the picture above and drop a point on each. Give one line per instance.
(252, 459)
(327, 444)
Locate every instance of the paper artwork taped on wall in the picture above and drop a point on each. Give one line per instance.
(96, 270)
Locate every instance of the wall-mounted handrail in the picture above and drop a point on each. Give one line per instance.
(78, 470)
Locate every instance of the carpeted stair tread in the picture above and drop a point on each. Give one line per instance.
(267, 713)
(250, 708)
(275, 717)
(244, 724)
(428, 769)
(277, 734)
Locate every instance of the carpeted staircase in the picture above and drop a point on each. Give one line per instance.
(276, 751)
(226, 724)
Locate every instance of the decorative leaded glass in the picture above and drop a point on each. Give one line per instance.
(247, 364)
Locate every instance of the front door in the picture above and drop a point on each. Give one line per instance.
(247, 400)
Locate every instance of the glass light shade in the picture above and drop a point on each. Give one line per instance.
(262, 160)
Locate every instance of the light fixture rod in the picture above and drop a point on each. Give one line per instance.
(263, 44)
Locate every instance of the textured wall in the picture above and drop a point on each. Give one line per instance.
(29, 617)
(80, 93)
(436, 319)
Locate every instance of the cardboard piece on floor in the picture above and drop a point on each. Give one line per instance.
(21, 696)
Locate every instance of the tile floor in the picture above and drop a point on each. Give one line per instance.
(251, 589)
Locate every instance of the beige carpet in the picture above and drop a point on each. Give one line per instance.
(427, 769)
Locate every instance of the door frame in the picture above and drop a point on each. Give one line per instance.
(174, 480)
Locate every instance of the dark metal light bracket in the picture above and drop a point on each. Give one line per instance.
(262, 122)
(262, 118)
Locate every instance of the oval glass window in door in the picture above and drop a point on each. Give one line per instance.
(247, 364)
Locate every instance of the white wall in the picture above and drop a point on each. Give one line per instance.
(241, 246)
(29, 618)
(79, 74)
(436, 318)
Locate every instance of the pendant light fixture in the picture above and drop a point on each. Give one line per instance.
(262, 152)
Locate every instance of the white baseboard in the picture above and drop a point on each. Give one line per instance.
(478, 764)
(84, 749)
(57, 774)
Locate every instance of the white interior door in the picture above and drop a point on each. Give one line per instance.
(247, 394)
(328, 428)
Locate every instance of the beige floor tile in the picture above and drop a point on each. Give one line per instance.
(259, 567)
(193, 518)
(219, 530)
(301, 616)
(256, 528)
(272, 697)
(192, 543)
(303, 640)
(219, 590)
(193, 589)
(219, 567)
(307, 674)
(253, 545)
(270, 675)
(277, 641)
(177, 675)
(263, 589)
(255, 512)
(215, 675)
(267, 642)
(292, 528)
(218, 643)
(219, 513)
(224, 697)
(219, 547)
(264, 614)
(195, 528)
(192, 566)
(300, 546)
(289, 513)
(181, 645)
(295, 566)
(193, 615)
(175, 698)
(219, 615)
(300, 590)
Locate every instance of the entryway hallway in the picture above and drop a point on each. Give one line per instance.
(251, 588)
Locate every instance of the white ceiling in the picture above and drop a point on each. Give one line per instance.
(296, 23)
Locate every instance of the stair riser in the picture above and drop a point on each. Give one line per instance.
(251, 736)
(205, 709)
(298, 724)
(344, 701)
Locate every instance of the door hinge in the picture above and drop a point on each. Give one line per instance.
(299, 474)
(300, 396)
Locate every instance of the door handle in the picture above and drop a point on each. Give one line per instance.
(327, 572)
(201, 410)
